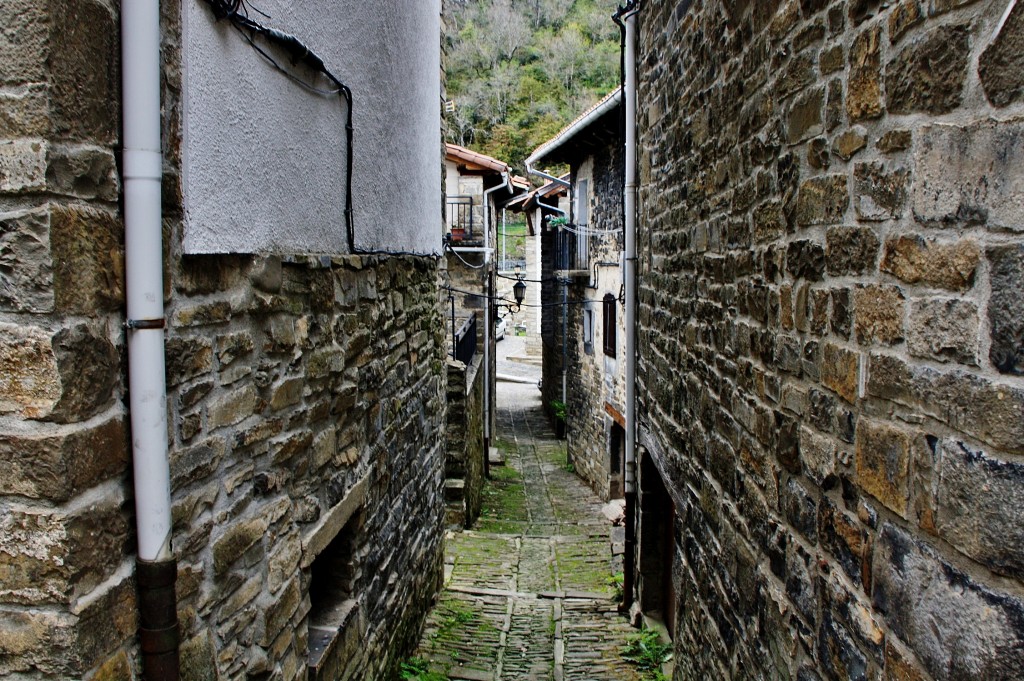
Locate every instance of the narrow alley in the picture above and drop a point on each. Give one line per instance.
(530, 592)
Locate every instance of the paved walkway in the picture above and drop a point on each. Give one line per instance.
(528, 593)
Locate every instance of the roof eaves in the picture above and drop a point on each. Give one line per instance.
(582, 122)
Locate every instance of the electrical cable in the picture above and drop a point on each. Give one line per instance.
(448, 247)
(236, 12)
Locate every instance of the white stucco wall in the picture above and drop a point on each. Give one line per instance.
(264, 159)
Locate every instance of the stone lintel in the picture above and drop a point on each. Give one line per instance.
(327, 529)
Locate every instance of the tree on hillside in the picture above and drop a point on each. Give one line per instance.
(519, 70)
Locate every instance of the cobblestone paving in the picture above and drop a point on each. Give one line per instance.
(528, 594)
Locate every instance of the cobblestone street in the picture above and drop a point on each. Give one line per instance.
(529, 592)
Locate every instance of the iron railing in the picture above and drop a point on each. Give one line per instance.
(465, 341)
(572, 251)
(461, 211)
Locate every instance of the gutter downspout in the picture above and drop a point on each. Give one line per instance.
(626, 18)
(156, 569)
(488, 325)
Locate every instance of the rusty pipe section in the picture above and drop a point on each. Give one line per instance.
(158, 618)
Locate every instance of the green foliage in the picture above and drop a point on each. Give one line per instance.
(417, 669)
(559, 408)
(520, 70)
(616, 582)
(647, 652)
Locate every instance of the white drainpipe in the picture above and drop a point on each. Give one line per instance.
(142, 168)
(629, 198)
(144, 267)
(488, 304)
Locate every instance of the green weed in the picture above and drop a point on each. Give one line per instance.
(647, 652)
(417, 669)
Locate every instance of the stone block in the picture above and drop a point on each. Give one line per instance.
(973, 404)
(980, 507)
(277, 610)
(64, 376)
(840, 371)
(822, 200)
(837, 652)
(23, 41)
(971, 175)
(59, 555)
(864, 87)
(1006, 309)
(805, 116)
(87, 251)
(231, 408)
(801, 509)
(880, 193)
(851, 250)
(878, 314)
(883, 463)
(26, 284)
(831, 59)
(24, 110)
(819, 454)
(842, 312)
(83, 76)
(84, 172)
(798, 75)
(70, 644)
(1001, 66)
(960, 629)
(850, 142)
(904, 16)
(835, 110)
(189, 357)
(928, 75)
(894, 141)
(844, 539)
(237, 538)
(22, 165)
(917, 260)
(59, 464)
(198, 658)
(769, 222)
(195, 464)
(944, 329)
(805, 260)
(817, 154)
(202, 314)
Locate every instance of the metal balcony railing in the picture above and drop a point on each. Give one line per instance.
(572, 250)
(461, 210)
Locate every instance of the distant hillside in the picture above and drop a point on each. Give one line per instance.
(520, 70)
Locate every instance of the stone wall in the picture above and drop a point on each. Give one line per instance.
(831, 333)
(305, 402)
(595, 379)
(464, 440)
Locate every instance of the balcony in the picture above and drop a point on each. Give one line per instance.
(572, 251)
(463, 222)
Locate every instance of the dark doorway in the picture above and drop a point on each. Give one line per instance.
(657, 546)
(616, 472)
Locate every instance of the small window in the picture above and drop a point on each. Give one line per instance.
(609, 324)
(588, 331)
(583, 203)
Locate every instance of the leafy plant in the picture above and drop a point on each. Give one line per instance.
(647, 652)
(417, 669)
(559, 408)
(616, 583)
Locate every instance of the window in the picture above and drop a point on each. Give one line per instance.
(588, 331)
(609, 324)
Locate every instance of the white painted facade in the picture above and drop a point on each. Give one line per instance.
(264, 159)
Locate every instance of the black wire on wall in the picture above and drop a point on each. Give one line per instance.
(237, 13)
